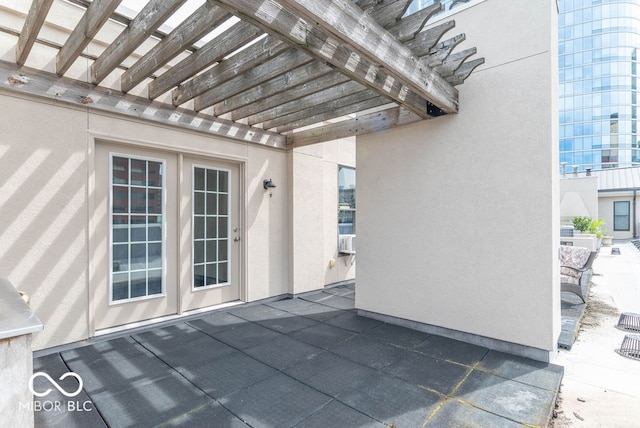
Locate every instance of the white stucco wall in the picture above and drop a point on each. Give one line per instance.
(314, 215)
(458, 216)
(45, 161)
(578, 197)
(46, 166)
(43, 180)
(605, 208)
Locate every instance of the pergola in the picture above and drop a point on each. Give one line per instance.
(287, 73)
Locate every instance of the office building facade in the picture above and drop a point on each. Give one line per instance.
(599, 42)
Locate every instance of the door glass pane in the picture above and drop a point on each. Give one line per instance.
(120, 171)
(139, 172)
(223, 230)
(136, 248)
(210, 227)
(223, 181)
(198, 179)
(198, 227)
(223, 201)
(212, 203)
(154, 201)
(198, 202)
(212, 180)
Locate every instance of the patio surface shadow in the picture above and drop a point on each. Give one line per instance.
(304, 362)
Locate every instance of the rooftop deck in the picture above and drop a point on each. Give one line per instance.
(309, 361)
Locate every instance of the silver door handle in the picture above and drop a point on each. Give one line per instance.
(236, 239)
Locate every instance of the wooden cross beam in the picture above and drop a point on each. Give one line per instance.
(140, 28)
(189, 31)
(400, 76)
(32, 24)
(212, 52)
(352, 27)
(96, 15)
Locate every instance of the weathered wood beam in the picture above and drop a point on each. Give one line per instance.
(296, 84)
(96, 15)
(464, 71)
(357, 101)
(141, 27)
(274, 91)
(387, 12)
(258, 97)
(192, 29)
(366, 4)
(453, 62)
(72, 92)
(442, 50)
(278, 91)
(274, 67)
(275, 19)
(340, 113)
(428, 39)
(32, 24)
(253, 56)
(309, 101)
(212, 52)
(352, 27)
(407, 28)
(366, 124)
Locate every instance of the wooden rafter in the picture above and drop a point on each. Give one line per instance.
(407, 28)
(32, 24)
(365, 124)
(364, 103)
(324, 111)
(292, 93)
(188, 32)
(209, 54)
(277, 20)
(351, 26)
(290, 59)
(96, 15)
(254, 55)
(320, 62)
(80, 94)
(289, 93)
(140, 28)
(273, 92)
(386, 12)
(297, 84)
(310, 101)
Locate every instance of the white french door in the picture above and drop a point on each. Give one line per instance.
(212, 236)
(166, 233)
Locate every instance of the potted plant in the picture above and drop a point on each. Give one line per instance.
(595, 227)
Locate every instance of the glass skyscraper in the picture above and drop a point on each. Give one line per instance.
(599, 42)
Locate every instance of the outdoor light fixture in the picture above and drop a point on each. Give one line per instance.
(268, 184)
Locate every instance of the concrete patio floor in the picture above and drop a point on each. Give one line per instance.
(304, 362)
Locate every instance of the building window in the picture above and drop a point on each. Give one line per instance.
(210, 227)
(346, 200)
(137, 208)
(621, 216)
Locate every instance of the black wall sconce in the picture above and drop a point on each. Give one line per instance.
(268, 184)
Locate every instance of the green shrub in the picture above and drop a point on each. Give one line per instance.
(581, 223)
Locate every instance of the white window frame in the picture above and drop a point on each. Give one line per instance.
(229, 216)
(163, 278)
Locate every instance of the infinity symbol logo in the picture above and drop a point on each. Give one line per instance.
(54, 383)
